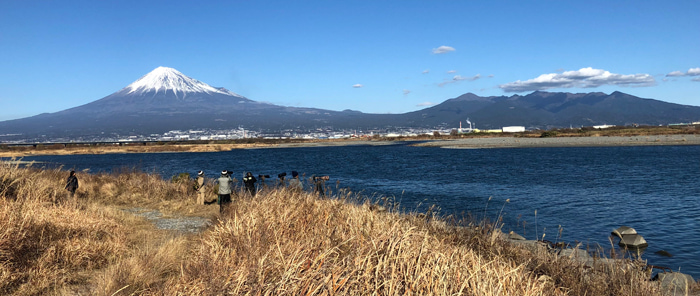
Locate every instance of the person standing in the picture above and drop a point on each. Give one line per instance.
(281, 182)
(320, 185)
(200, 188)
(72, 184)
(224, 199)
(249, 182)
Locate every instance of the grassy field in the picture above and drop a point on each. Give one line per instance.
(278, 243)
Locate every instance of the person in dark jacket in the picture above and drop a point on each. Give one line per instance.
(249, 181)
(320, 185)
(282, 183)
(72, 184)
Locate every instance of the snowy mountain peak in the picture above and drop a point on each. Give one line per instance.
(168, 79)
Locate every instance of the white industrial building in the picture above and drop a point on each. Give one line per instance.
(513, 129)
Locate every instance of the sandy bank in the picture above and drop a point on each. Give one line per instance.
(332, 144)
(513, 142)
(184, 148)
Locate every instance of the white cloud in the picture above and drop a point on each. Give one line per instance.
(451, 71)
(696, 79)
(582, 78)
(425, 104)
(357, 85)
(675, 74)
(490, 76)
(426, 71)
(690, 72)
(443, 49)
(405, 92)
(458, 78)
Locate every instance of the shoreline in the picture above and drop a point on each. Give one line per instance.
(463, 143)
(601, 141)
(185, 148)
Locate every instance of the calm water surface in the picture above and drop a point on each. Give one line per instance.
(587, 191)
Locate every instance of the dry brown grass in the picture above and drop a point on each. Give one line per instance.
(287, 243)
(46, 246)
(51, 244)
(280, 243)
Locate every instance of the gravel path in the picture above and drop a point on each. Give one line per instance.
(177, 223)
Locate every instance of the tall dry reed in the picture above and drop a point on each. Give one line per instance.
(290, 243)
(279, 243)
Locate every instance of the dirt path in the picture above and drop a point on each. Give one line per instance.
(176, 223)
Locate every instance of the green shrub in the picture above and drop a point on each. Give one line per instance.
(548, 134)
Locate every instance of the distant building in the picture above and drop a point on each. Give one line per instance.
(602, 126)
(513, 129)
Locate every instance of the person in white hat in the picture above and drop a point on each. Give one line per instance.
(224, 190)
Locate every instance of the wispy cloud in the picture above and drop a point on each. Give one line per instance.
(458, 78)
(675, 74)
(357, 85)
(690, 72)
(443, 49)
(583, 78)
(451, 71)
(406, 92)
(425, 104)
(426, 71)
(696, 79)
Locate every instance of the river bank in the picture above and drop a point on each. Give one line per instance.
(340, 246)
(84, 149)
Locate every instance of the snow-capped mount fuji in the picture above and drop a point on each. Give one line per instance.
(164, 79)
(167, 88)
(163, 100)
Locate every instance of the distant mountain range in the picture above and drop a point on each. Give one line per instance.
(166, 99)
(544, 110)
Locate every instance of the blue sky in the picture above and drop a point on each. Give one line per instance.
(371, 56)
